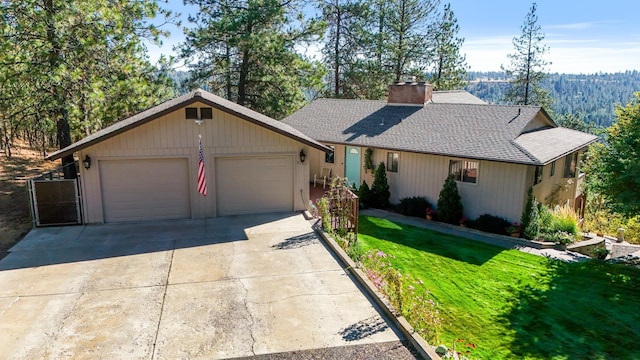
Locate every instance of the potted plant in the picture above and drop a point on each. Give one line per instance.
(430, 213)
(463, 221)
(514, 229)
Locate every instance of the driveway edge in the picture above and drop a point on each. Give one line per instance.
(416, 341)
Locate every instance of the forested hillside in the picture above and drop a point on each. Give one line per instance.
(593, 95)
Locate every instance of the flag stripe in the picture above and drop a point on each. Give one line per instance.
(202, 180)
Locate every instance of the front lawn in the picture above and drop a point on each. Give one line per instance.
(517, 305)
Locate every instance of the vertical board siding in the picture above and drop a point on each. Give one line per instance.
(173, 136)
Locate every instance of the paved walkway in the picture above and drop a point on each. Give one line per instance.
(471, 234)
(199, 289)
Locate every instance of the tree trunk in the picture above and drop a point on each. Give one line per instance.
(60, 112)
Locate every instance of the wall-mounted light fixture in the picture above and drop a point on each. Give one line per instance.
(303, 156)
(86, 162)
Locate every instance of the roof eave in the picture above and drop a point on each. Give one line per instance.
(69, 150)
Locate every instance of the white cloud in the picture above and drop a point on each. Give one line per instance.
(566, 55)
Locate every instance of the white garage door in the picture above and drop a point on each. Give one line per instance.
(253, 185)
(149, 189)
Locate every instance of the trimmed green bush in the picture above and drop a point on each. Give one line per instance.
(365, 195)
(380, 188)
(530, 218)
(491, 224)
(414, 206)
(449, 203)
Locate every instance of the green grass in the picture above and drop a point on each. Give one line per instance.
(514, 305)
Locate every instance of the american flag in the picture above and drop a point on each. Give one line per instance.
(202, 180)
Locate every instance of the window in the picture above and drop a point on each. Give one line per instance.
(206, 113)
(465, 171)
(330, 156)
(537, 175)
(570, 162)
(191, 113)
(553, 169)
(392, 162)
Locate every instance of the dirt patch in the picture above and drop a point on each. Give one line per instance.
(15, 219)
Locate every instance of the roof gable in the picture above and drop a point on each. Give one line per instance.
(178, 103)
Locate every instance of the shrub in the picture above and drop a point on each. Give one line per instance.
(409, 297)
(380, 188)
(414, 206)
(490, 223)
(530, 218)
(600, 253)
(565, 220)
(365, 195)
(546, 219)
(449, 205)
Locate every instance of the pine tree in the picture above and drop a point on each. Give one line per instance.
(245, 52)
(530, 218)
(449, 66)
(380, 188)
(450, 208)
(527, 68)
(70, 67)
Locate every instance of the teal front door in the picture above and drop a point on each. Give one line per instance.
(352, 165)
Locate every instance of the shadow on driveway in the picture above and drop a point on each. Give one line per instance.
(69, 244)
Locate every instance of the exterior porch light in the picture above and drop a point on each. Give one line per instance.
(86, 162)
(303, 156)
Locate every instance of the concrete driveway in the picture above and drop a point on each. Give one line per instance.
(215, 288)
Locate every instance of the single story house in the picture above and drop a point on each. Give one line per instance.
(495, 152)
(145, 167)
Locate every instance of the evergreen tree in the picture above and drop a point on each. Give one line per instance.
(613, 171)
(346, 20)
(450, 208)
(73, 66)
(527, 68)
(530, 218)
(449, 66)
(365, 195)
(380, 188)
(245, 52)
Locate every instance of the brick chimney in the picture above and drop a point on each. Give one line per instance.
(410, 92)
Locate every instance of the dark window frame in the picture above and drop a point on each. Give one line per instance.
(537, 175)
(206, 113)
(552, 171)
(330, 157)
(191, 113)
(393, 158)
(570, 165)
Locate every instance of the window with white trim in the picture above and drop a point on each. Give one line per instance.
(464, 171)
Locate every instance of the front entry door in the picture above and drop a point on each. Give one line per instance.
(352, 165)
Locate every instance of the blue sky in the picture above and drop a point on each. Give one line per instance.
(584, 36)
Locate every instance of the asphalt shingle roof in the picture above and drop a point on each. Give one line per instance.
(183, 101)
(549, 144)
(476, 131)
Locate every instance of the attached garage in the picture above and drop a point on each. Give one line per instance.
(252, 185)
(145, 189)
(146, 167)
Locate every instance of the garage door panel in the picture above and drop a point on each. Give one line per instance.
(145, 189)
(254, 185)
